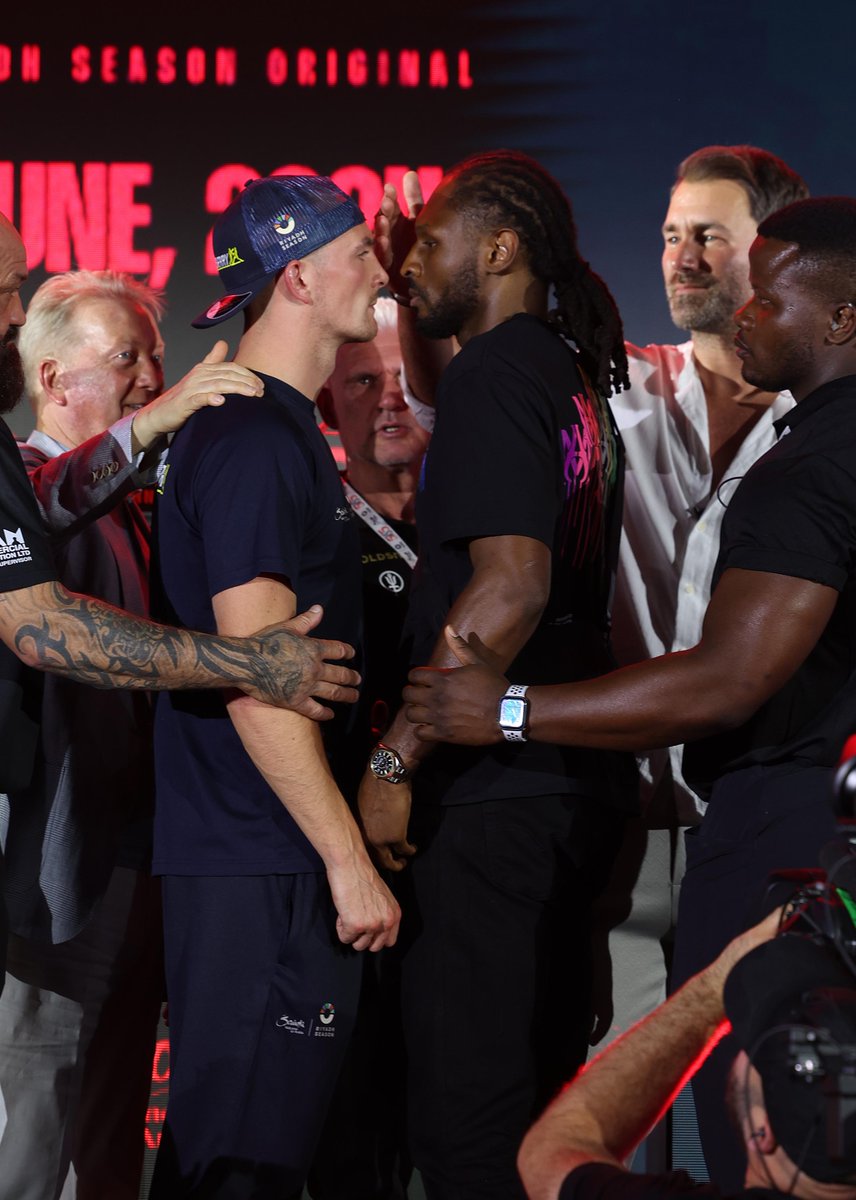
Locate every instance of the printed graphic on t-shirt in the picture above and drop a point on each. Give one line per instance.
(13, 549)
(590, 466)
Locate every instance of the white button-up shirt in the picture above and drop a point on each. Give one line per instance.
(670, 537)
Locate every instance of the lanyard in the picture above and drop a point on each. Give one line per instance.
(376, 522)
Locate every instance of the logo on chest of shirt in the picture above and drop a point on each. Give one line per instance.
(13, 548)
(391, 580)
(342, 513)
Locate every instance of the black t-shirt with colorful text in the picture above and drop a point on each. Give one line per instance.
(522, 446)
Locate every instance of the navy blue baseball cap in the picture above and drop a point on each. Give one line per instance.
(272, 222)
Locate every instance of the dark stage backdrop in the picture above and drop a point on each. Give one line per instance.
(126, 128)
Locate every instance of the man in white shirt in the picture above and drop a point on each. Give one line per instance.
(691, 428)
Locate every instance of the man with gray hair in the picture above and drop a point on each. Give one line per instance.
(84, 981)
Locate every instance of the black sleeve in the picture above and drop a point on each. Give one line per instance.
(793, 517)
(602, 1181)
(25, 555)
(494, 455)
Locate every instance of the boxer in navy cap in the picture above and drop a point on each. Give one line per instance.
(268, 890)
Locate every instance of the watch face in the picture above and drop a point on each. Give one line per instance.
(512, 712)
(382, 763)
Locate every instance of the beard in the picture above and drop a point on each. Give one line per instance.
(11, 372)
(710, 311)
(782, 371)
(447, 315)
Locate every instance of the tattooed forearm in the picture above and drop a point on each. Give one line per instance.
(52, 629)
(96, 644)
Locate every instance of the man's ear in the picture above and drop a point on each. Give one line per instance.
(294, 280)
(327, 408)
(51, 381)
(842, 324)
(503, 250)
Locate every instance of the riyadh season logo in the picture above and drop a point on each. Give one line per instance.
(284, 225)
(325, 1027)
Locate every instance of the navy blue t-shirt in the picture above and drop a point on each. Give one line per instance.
(250, 489)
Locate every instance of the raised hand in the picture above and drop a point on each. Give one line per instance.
(394, 233)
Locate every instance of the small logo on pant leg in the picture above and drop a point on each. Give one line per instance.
(326, 1017)
(291, 1024)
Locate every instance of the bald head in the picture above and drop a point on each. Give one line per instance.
(13, 272)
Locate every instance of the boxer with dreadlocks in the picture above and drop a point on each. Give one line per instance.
(518, 521)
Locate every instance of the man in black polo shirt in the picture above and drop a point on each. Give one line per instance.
(384, 446)
(771, 688)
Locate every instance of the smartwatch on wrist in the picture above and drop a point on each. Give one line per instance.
(387, 764)
(514, 713)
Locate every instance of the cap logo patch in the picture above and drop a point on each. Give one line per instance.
(230, 259)
(284, 225)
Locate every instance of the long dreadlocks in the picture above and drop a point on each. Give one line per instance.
(505, 187)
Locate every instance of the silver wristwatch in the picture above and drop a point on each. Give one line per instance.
(386, 763)
(514, 713)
